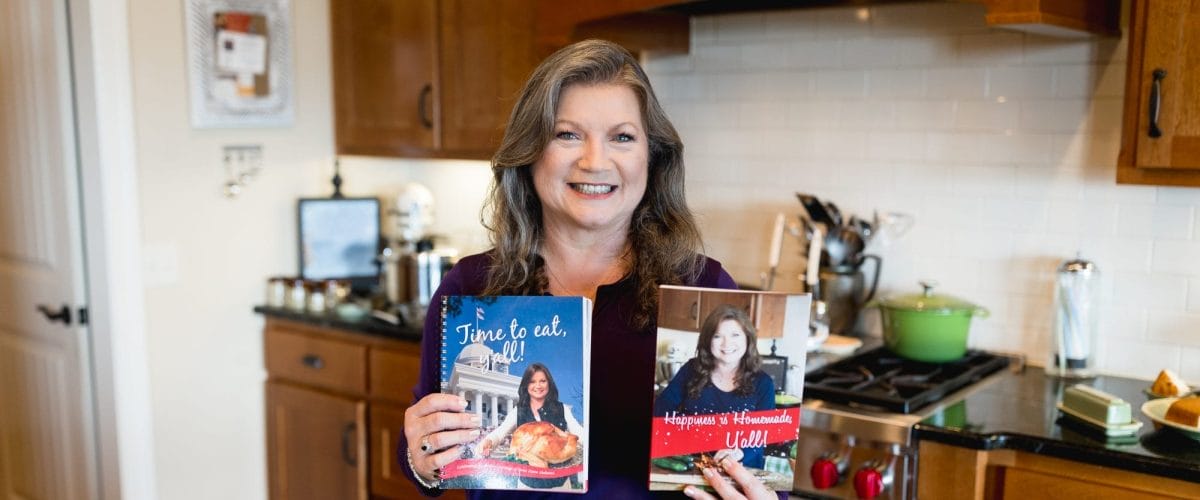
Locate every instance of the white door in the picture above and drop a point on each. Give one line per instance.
(47, 445)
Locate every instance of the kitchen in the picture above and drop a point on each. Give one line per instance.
(768, 104)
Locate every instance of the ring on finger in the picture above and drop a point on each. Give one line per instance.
(425, 446)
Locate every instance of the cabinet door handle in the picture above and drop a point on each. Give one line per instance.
(695, 312)
(348, 454)
(1156, 101)
(313, 361)
(422, 108)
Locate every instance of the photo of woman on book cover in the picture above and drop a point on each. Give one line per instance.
(724, 377)
(539, 445)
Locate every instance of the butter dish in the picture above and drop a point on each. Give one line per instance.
(1099, 409)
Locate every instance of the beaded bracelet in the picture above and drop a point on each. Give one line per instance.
(436, 484)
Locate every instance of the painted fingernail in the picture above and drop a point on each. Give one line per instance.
(690, 491)
(474, 434)
(462, 403)
(476, 420)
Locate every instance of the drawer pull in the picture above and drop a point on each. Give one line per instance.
(1156, 101)
(348, 454)
(313, 361)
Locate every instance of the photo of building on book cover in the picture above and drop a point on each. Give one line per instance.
(728, 384)
(521, 364)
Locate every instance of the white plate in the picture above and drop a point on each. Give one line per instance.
(1156, 410)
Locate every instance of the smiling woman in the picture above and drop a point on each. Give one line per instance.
(587, 199)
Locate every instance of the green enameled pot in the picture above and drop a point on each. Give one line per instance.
(926, 326)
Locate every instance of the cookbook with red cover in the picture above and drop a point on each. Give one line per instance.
(728, 383)
(523, 365)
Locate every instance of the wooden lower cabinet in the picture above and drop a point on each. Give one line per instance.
(317, 444)
(335, 413)
(946, 471)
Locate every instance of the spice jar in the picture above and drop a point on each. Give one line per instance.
(297, 296)
(336, 292)
(277, 290)
(1076, 319)
(316, 297)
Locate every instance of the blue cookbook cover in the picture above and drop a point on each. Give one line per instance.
(522, 364)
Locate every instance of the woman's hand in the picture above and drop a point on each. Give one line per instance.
(435, 427)
(751, 487)
(734, 454)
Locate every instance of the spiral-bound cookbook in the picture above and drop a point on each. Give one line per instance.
(522, 364)
(728, 383)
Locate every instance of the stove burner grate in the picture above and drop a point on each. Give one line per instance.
(884, 380)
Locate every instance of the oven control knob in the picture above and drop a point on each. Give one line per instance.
(871, 479)
(824, 473)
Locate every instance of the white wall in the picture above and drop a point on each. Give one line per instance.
(206, 257)
(1002, 145)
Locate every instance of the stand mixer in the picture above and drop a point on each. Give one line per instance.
(412, 268)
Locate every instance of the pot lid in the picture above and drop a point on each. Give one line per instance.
(929, 301)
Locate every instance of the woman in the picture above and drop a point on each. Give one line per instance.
(537, 402)
(723, 377)
(587, 199)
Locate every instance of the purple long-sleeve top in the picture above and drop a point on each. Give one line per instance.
(622, 384)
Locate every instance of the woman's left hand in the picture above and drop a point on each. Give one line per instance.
(751, 487)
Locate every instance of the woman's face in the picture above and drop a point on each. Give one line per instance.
(728, 343)
(592, 174)
(539, 386)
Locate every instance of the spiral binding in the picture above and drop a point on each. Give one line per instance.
(444, 375)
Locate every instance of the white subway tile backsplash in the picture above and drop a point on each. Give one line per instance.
(956, 83)
(841, 84)
(1139, 359)
(1088, 150)
(1119, 255)
(868, 53)
(1178, 196)
(922, 52)
(1170, 327)
(866, 115)
(1064, 115)
(895, 146)
(954, 147)
(1190, 365)
(1075, 218)
(997, 48)
(925, 116)
(985, 116)
(1001, 144)
(1161, 222)
(1126, 323)
(1020, 82)
(1193, 297)
(1054, 50)
(1041, 183)
(717, 58)
(1176, 257)
(741, 28)
(895, 83)
(996, 181)
(813, 54)
(1159, 291)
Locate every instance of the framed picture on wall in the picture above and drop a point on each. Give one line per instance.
(239, 63)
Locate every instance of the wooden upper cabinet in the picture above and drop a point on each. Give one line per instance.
(384, 75)
(427, 78)
(1161, 135)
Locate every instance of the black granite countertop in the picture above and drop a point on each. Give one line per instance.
(368, 325)
(1019, 411)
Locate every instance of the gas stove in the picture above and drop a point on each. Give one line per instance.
(856, 425)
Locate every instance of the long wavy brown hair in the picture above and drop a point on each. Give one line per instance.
(706, 363)
(663, 237)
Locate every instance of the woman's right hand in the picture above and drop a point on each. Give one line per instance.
(435, 427)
